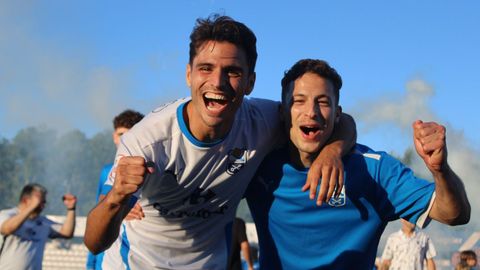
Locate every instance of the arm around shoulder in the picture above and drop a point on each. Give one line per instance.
(328, 165)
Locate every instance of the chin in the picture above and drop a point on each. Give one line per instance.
(309, 149)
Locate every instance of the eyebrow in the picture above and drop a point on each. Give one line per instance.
(304, 95)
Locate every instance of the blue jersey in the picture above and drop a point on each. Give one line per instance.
(95, 261)
(295, 233)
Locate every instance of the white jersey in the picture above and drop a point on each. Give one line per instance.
(24, 248)
(190, 200)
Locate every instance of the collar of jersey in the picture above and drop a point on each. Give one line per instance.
(186, 132)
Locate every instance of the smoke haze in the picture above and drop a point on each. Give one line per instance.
(48, 84)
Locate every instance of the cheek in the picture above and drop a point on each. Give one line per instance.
(116, 140)
(328, 114)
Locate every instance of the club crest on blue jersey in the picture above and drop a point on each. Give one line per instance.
(237, 158)
(340, 201)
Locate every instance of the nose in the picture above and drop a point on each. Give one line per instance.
(312, 109)
(219, 79)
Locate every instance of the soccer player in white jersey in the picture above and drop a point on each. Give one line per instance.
(188, 163)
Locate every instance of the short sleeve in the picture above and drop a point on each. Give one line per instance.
(408, 197)
(4, 215)
(54, 228)
(267, 112)
(240, 230)
(430, 252)
(129, 145)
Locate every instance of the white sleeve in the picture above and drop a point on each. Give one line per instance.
(131, 144)
(424, 219)
(430, 252)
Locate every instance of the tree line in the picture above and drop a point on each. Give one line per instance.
(68, 162)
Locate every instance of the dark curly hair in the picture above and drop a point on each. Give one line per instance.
(127, 119)
(319, 67)
(224, 28)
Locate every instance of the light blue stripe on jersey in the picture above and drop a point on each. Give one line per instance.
(125, 248)
(105, 189)
(186, 132)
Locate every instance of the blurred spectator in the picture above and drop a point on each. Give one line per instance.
(121, 124)
(408, 249)
(25, 232)
(468, 260)
(239, 243)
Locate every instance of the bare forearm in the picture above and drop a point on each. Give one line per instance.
(103, 225)
(12, 224)
(431, 264)
(68, 226)
(246, 253)
(451, 204)
(344, 136)
(385, 265)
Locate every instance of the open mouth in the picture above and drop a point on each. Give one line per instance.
(310, 130)
(215, 101)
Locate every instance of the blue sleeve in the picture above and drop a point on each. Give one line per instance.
(91, 261)
(408, 197)
(103, 189)
(101, 181)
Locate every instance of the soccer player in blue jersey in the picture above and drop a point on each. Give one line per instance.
(121, 124)
(189, 162)
(294, 233)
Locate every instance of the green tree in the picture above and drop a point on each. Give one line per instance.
(76, 168)
(8, 194)
(30, 147)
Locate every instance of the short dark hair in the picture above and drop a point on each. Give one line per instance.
(319, 67)
(29, 188)
(223, 28)
(127, 119)
(467, 254)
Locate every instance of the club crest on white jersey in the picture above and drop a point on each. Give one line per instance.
(237, 158)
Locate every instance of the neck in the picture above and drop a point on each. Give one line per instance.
(300, 159)
(407, 231)
(202, 132)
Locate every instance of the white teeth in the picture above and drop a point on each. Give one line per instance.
(215, 96)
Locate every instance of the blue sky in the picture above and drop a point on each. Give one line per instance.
(75, 64)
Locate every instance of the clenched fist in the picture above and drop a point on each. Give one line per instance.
(129, 176)
(69, 200)
(429, 139)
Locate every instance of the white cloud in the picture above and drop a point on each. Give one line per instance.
(402, 111)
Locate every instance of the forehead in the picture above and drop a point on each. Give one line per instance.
(37, 192)
(225, 53)
(120, 130)
(311, 84)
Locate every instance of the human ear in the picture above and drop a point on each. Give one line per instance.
(188, 75)
(251, 83)
(338, 113)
